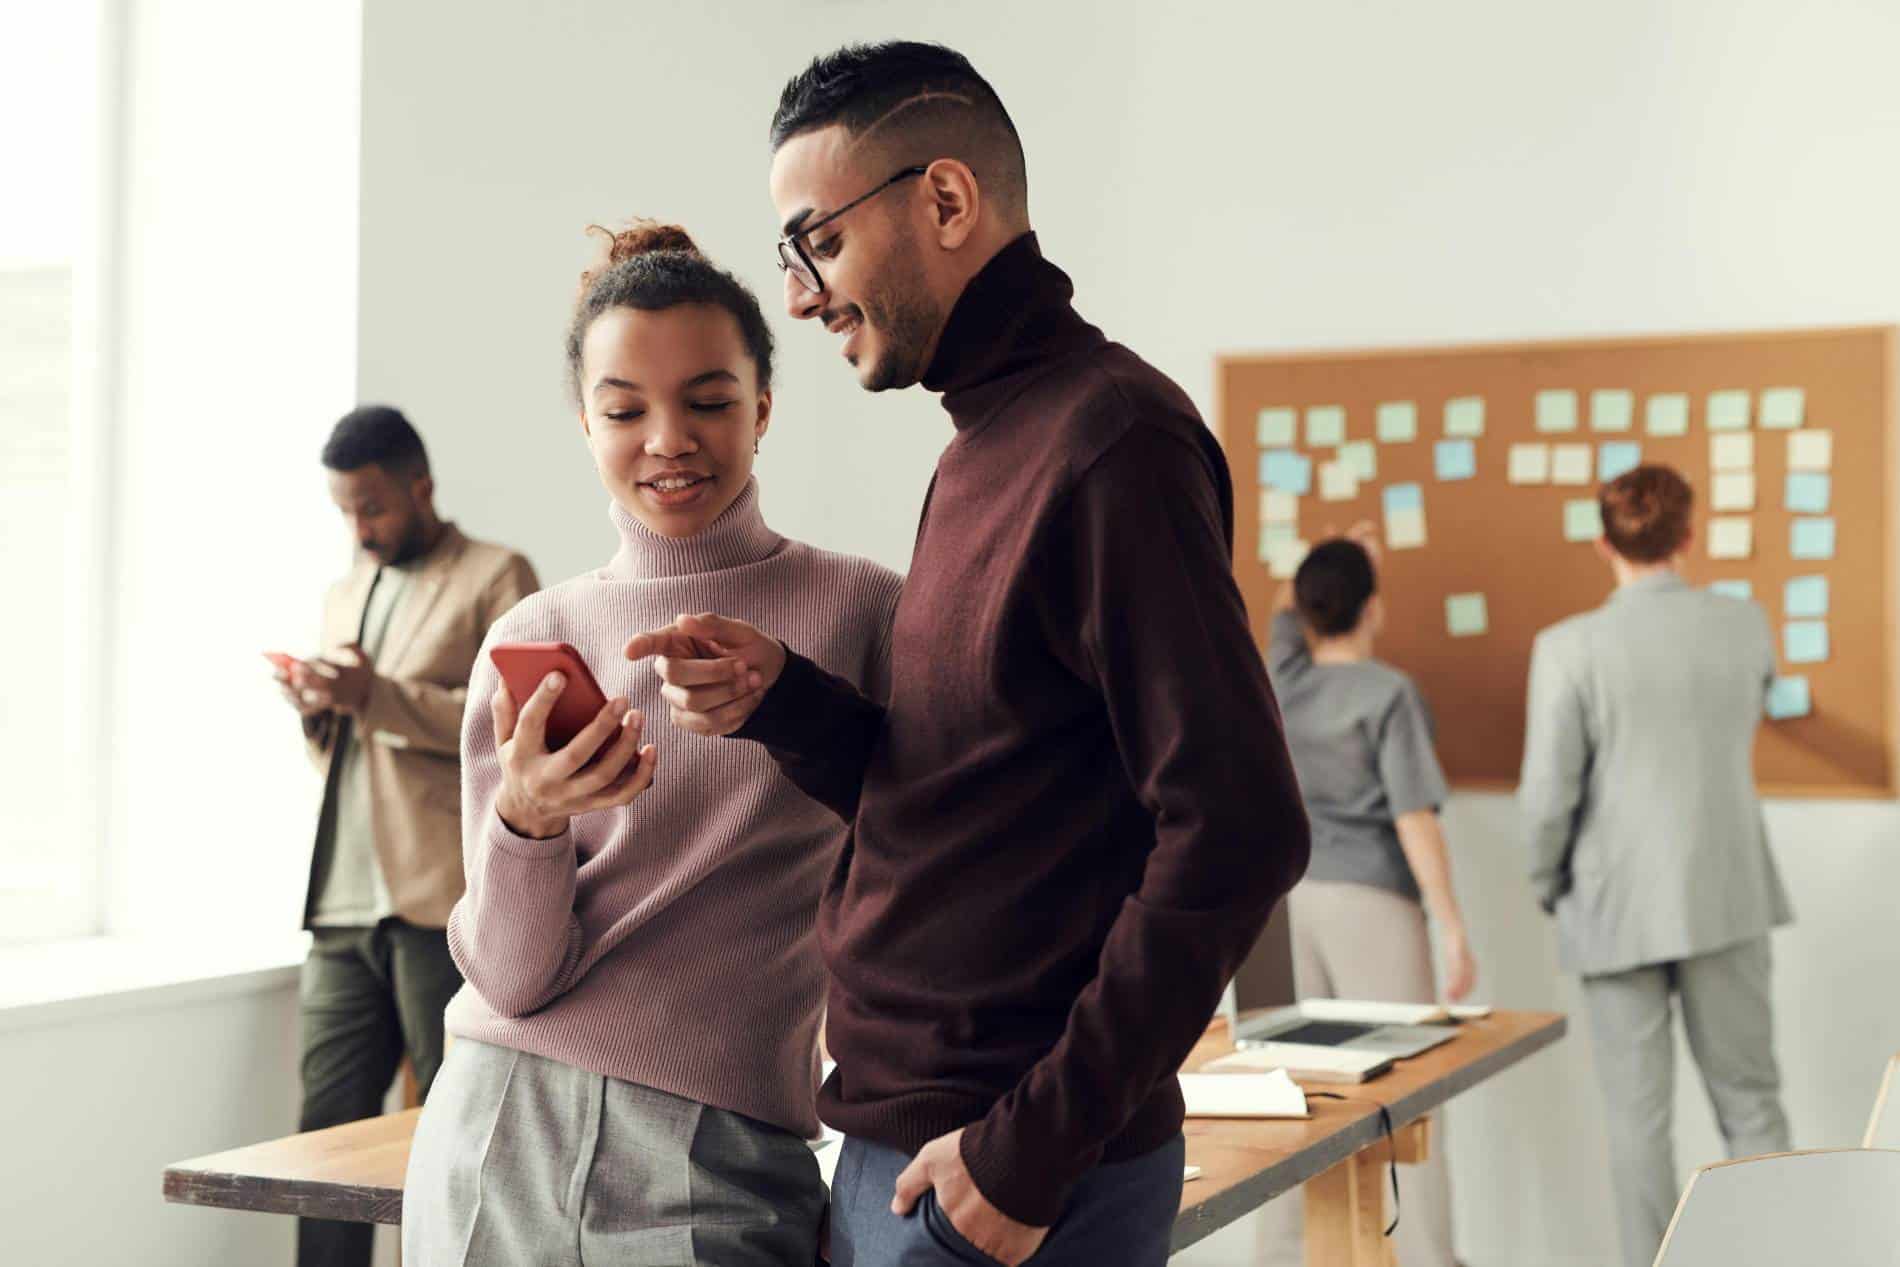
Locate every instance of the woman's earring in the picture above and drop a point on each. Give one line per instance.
(755, 446)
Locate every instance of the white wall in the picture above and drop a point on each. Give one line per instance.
(93, 1109)
(1215, 177)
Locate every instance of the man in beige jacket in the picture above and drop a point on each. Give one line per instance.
(382, 715)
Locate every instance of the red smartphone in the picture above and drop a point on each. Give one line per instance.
(524, 664)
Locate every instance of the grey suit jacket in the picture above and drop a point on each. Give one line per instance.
(1638, 794)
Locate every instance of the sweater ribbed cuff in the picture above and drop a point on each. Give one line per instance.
(501, 836)
(783, 717)
(1029, 1185)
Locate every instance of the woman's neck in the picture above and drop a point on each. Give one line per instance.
(1351, 648)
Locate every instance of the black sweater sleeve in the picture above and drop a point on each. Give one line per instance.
(821, 731)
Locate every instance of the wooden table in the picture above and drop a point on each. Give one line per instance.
(355, 1172)
(1340, 1153)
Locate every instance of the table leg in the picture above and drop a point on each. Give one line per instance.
(1345, 1206)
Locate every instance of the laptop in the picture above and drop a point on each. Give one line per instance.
(1265, 1012)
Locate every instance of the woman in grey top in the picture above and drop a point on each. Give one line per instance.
(1361, 739)
(1646, 842)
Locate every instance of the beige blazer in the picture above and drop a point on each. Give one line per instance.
(411, 724)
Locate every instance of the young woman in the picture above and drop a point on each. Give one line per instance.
(635, 1059)
(1361, 739)
(1647, 844)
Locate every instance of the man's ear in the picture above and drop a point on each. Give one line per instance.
(956, 201)
(585, 429)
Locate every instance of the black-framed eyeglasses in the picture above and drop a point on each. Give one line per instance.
(792, 256)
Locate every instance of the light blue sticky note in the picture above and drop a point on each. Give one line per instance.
(1804, 641)
(1789, 697)
(1611, 410)
(1397, 421)
(1783, 408)
(1287, 471)
(1669, 414)
(1557, 410)
(1455, 459)
(1361, 457)
(1809, 491)
(1325, 426)
(1804, 596)
(1466, 615)
(1583, 519)
(1404, 497)
(1614, 459)
(1728, 411)
(1734, 589)
(1813, 539)
(1464, 416)
(1274, 428)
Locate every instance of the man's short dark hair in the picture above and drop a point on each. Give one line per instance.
(375, 435)
(1333, 586)
(927, 98)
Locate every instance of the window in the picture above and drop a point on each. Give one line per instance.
(49, 726)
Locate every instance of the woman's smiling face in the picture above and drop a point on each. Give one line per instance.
(671, 405)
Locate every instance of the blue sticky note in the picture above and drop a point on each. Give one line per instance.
(1614, 459)
(1804, 641)
(1455, 459)
(1808, 492)
(1734, 589)
(1813, 539)
(1789, 697)
(1287, 471)
(1805, 596)
(1404, 497)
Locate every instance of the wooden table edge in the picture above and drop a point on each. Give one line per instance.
(1199, 1221)
(302, 1197)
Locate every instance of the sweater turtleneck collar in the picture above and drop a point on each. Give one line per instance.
(1012, 320)
(737, 537)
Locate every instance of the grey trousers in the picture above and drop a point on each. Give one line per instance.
(1352, 941)
(1727, 1016)
(1120, 1214)
(528, 1162)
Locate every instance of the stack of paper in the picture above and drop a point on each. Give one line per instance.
(1271, 1094)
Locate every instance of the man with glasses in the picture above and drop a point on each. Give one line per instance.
(1077, 811)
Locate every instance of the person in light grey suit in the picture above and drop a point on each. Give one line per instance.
(1646, 842)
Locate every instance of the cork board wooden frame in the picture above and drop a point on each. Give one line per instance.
(1487, 535)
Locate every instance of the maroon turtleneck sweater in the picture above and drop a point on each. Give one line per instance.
(1077, 811)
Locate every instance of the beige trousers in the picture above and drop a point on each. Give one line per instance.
(1352, 941)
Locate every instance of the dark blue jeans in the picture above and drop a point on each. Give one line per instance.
(1120, 1214)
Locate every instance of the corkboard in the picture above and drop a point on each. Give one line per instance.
(1506, 541)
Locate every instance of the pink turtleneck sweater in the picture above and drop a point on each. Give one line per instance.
(670, 942)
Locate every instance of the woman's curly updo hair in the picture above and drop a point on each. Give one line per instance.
(1646, 513)
(652, 267)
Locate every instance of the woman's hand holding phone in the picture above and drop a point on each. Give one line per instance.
(601, 767)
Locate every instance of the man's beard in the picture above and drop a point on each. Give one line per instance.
(414, 541)
(900, 308)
